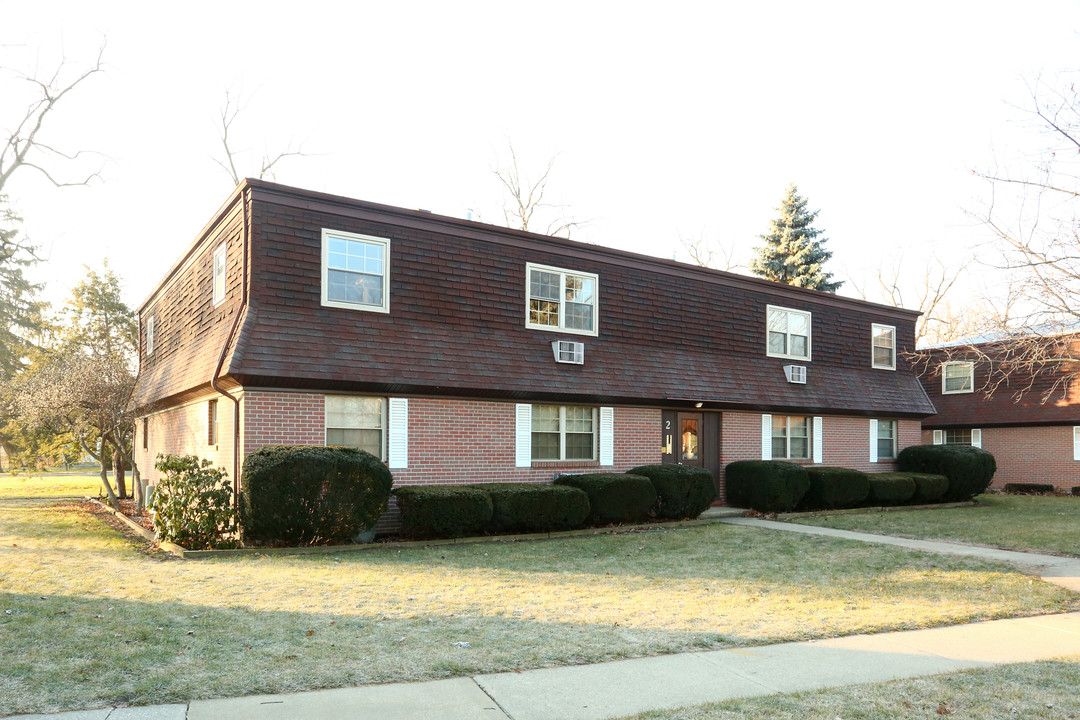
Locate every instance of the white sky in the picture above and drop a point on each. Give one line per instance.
(667, 118)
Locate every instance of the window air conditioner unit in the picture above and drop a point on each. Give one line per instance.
(795, 374)
(568, 351)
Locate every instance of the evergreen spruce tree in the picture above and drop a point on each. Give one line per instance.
(793, 252)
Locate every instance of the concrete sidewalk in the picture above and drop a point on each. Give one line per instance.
(616, 689)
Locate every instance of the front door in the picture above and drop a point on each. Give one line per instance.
(686, 437)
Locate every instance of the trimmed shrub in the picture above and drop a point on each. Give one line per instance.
(614, 497)
(832, 488)
(192, 504)
(969, 469)
(891, 488)
(682, 491)
(929, 488)
(311, 495)
(529, 507)
(1076, 490)
(765, 485)
(1028, 488)
(430, 511)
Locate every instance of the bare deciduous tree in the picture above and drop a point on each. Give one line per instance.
(229, 112)
(527, 197)
(703, 253)
(25, 146)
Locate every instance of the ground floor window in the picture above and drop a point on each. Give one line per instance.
(886, 439)
(790, 437)
(358, 422)
(958, 437)
(562, 432)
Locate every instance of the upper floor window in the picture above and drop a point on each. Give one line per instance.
(789, 333)
(563, 433)
(957, 377)
(561, 300)
(219, 274)
(790, 438)
(150, 335)
(355, 271)
(357, 422)
(884, 346)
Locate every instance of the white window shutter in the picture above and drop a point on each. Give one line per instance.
(819, 441)
(976, 438)
(523, 435)
(873, 441)
(607, 436)
(1076, 442)
(939, 437)
(766, 437)
(398, 436)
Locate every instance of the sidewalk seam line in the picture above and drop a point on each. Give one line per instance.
(497, 703)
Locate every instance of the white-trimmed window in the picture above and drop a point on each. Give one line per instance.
(219, 274)
(150, 335)
(561, 432)
(958, 437)
(790, 438)
(358, 422)
(355, 271)
(562, 300)
(212, 423)
(788, 333)
(886, 439)
(883, 342)
(957, 377)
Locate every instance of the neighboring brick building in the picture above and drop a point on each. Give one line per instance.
(1030, 422)
(463, 352)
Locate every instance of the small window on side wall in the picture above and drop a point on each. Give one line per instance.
(957, 377)
(561, 300)
(355, 271)
(886, 439)
(788, 333)
(212, 423)
(883, 346)
(150, 335)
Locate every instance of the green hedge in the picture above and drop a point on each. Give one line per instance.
(765, 485)
(833, 488)
(193, 503)
(682, 491)
(891, 488)
(614, 497)
(1028, 488)
(429, 511)
(969, 469)
(929, 488)
(529, 507)
(308, 495)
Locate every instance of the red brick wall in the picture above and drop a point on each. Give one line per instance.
(281, 418)
(1030, 454)
(183, 430)
(845, 441)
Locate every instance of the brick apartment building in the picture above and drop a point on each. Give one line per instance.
(1029, 422)
(463, 352)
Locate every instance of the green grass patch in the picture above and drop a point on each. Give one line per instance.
(1019, 522)
(1040, 690)
(96, 619)
(50, 486)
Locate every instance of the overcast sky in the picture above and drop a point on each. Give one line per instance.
(665, 119)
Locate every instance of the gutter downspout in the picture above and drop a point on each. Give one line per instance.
(224, 349)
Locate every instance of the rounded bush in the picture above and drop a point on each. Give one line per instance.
(532, 507)
(891, 488)
(311, 495)
(969, 469)
(434, 511)
(765, 485)
(614, 497)
(682, 491)
(833, 488)
(1028, 488)
(929, 488)
(193, 503)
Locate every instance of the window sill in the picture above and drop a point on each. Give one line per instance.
(564, 463)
